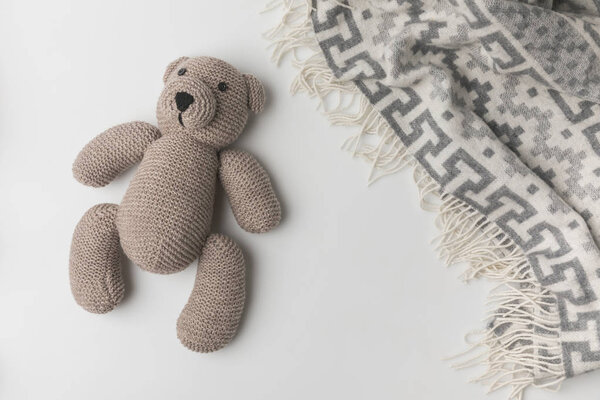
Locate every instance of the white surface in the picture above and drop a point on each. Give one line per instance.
(346, 298)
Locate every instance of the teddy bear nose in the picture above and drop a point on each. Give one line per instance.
(183, 100)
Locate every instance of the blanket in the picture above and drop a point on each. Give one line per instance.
(496, 105)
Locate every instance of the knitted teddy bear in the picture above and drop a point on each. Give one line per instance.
(163, 222)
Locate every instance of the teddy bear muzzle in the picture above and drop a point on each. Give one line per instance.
(187, 105)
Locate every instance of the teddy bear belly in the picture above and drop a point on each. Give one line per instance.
(164, 218)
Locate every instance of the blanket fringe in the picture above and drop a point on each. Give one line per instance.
(520, 346)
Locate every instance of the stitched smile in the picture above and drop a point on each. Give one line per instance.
(180, 120)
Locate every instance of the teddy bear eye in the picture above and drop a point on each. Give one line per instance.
(182, 71)
(222, 86)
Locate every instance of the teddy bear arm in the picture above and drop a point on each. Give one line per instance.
(112, 152)
(251, 195)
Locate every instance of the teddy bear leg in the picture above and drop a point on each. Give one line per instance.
(212, 314)
(95, 261)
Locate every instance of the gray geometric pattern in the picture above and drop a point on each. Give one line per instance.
(499, 101)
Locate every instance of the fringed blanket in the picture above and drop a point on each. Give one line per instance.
(496, 105)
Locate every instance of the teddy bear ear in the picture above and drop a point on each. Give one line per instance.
(172, 66)
(256, 93)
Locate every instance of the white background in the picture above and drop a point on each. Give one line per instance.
(346, 299)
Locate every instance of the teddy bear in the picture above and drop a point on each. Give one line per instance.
(163, 222)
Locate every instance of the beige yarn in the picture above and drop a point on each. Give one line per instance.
(231, 114)
(163, 222)
(249, 190)
(256, 94)
(165, 215)
(95, 254)
(112, 152)
(210, 318)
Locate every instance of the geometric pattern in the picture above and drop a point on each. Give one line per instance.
(499, 101)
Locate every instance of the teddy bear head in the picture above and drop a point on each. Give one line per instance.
(208, 99)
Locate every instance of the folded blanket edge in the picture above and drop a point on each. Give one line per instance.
(519, 346)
